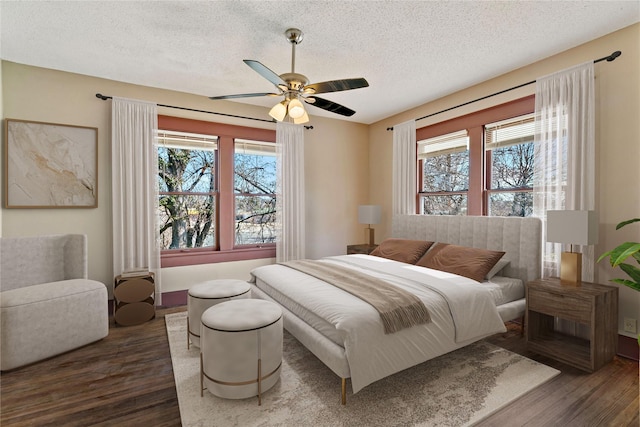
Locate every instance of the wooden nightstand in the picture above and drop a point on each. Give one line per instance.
(590, 304)
(360, 249)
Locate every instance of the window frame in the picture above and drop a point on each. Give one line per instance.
(477, 194)
(225, 249)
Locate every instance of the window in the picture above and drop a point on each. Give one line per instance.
(255, 188)
(216, 192)
(478, 164)
(187, 189)
(445, 174)
(509, 159)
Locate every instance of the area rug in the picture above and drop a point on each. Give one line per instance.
(457, 389)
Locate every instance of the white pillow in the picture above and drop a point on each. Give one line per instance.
(502, 263)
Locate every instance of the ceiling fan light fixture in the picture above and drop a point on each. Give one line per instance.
(279, 111)
(303, 119)
(296, 109)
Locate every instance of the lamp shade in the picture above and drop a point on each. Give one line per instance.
(296, 109)
(369, 214)
(279, 111)
(302, 119)
(572, 227)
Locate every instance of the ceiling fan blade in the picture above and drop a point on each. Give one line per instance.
(329, 106)
(265, 72)
(336, 85)
(244, 95)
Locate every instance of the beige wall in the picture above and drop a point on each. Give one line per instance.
(617, 139)
(2, 131)
(336, 163)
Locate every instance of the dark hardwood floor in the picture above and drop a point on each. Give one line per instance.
(127, 380)
(608, 397)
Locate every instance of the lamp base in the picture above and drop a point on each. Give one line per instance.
(571, 268)
(369, 236)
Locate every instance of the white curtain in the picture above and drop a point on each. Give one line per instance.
(404, 168)
(134, 162)
(290, 211)
(564, 173)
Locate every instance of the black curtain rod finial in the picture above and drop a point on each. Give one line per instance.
(613, 56)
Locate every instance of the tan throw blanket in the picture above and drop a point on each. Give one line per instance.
(398, 308)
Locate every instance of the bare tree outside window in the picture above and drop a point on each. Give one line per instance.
(445, 173)
(187, 192)
(255, 187)
(510, 155)
(512, 169)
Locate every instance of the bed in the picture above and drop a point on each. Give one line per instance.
(347, 334)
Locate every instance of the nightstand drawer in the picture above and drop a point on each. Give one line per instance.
(560, 305)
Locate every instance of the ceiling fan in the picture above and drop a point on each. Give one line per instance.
(295, 87)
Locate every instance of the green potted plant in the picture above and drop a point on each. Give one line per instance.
(618, 256)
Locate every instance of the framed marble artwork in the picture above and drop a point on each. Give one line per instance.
(49, 165)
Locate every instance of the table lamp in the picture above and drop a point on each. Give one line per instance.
(369, 214)
(572, 228)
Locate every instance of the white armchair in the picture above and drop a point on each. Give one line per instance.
(47, 304)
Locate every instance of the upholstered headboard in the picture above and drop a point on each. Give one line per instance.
(520, 238)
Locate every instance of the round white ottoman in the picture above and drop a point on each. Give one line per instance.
(241, 352)
(207, 294)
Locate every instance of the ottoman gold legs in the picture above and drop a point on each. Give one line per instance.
(201, 377)
(257, 380)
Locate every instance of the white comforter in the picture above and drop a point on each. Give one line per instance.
(462, 311)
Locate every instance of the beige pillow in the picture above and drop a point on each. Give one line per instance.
(403, 250)
(473, 263)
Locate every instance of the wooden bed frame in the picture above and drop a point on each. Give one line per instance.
(520, 238)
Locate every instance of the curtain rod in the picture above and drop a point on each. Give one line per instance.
(609, 58)
(106, 97)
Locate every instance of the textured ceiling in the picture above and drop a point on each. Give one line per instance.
(411, 52)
